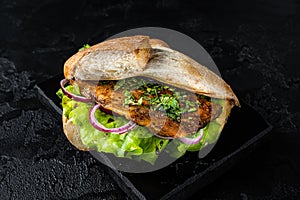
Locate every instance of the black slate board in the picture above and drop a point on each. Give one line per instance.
(244, 130)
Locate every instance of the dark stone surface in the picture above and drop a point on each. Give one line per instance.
(36, 160)
(255, 44)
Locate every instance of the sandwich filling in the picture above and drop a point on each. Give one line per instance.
(165, 110)
(161, 111)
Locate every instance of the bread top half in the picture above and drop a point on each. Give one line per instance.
(139, 55)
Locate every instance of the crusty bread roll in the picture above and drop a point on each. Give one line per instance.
(127, 57)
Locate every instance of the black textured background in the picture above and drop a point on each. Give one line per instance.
(254, 43)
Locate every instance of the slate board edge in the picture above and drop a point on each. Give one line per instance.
(47, 101)
(185, 190)
(119, 178)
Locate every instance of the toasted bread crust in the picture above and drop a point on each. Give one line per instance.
(157, 43)
(150, 58)
(174, 68)
(72, 132)
(222, 119)
(137, 45)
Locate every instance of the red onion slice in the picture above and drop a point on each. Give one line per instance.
(73, 96)
(191, 141)
(123, 129)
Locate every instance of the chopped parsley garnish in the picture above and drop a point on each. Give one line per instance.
(173, 101)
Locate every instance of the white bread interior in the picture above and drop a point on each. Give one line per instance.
(111, 58)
